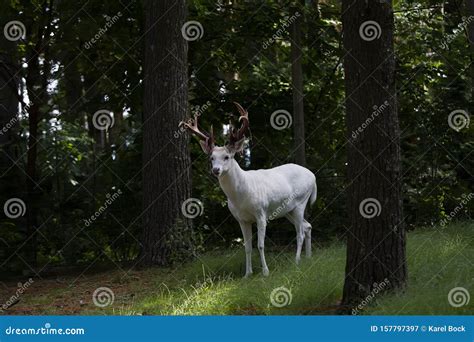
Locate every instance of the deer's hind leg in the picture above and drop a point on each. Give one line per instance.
(307, 237)
(296, 216)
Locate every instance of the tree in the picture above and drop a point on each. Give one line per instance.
(36, 81)
(166, 179)
(9, 100)
(376, 239)
(297, 84)
(470, 11)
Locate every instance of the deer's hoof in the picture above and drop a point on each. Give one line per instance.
(266, 272)
(247, 275)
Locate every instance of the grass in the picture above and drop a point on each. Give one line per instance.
(439, 259)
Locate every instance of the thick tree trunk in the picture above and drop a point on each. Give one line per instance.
(31, 181)
(166, 178)
(375, 245)
(74, 89)
(9, 121)
(297, 85)
(8, 102)
(38, 72)
(33, 192)
(470, 11)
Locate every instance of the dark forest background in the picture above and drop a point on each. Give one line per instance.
(58, 75)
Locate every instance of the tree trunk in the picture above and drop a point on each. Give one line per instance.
(297, 85)
(38, 72)
(9, 122)
(166, 178)
(73, 88)
(376, 241)
(470, 11)
(33, 192)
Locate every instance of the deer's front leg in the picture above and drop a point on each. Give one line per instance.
(247, 233)
(261, 229)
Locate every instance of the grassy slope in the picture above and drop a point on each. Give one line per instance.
(439, 260)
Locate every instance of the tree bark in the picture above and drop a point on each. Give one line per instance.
(9, 121)
(33, 193)
(36, 83)
(297, 85)
(470, 29)
(166, 163)
(470, 11)
(375, 246)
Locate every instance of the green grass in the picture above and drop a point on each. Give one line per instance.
(439, 259)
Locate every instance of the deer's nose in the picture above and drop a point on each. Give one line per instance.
(216, 171)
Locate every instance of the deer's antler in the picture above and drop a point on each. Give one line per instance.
(237, 135)
(192, 126)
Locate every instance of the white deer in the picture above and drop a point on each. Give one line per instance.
(260, 195)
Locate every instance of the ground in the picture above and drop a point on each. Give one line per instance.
(440, 259)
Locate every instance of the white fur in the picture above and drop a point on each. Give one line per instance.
(257, 196)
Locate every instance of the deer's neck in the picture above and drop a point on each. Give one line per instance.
(234, 182)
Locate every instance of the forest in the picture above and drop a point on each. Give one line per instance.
(110, 205)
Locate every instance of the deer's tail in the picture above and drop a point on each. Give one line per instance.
(314, 194)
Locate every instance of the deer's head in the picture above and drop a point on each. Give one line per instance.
(220, 156)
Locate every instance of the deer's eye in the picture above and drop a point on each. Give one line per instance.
(226, 158)
(212, 158)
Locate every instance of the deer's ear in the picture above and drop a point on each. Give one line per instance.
(236, 147)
